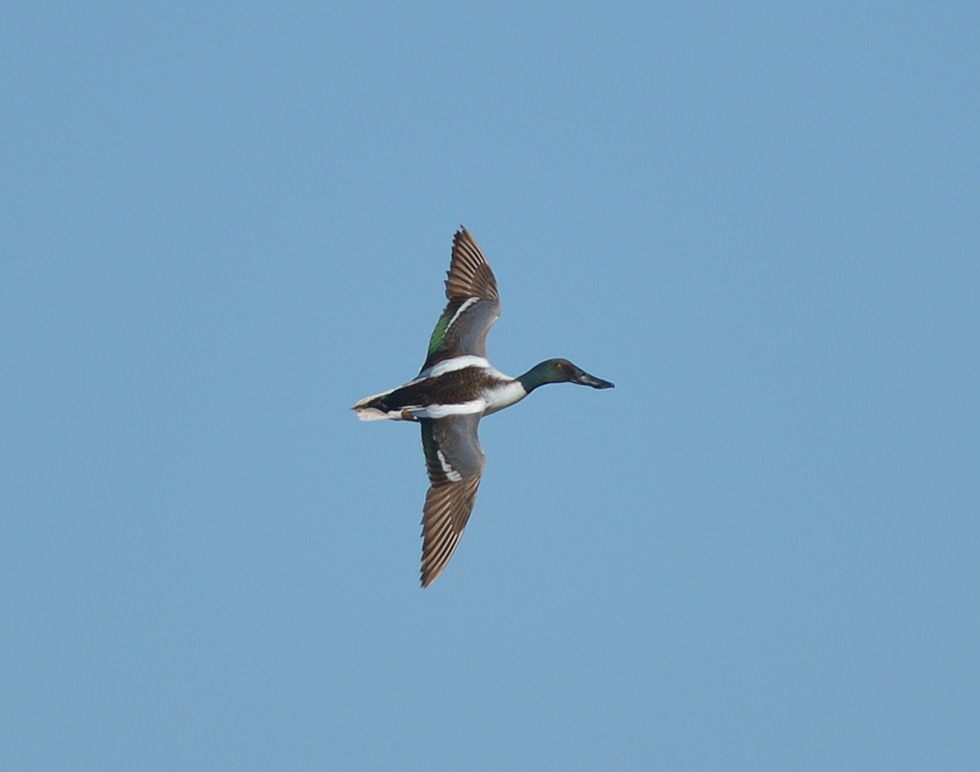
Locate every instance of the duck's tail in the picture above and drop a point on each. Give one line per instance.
(371, 408)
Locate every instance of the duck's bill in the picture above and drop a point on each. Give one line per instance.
(590, 380)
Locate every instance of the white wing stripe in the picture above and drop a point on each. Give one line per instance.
(441, 411)
(451, 473)
(449, 365)
(466, 304)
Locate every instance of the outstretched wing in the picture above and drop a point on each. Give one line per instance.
(474, 304)
(454, 461)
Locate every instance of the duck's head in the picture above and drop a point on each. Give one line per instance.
(560, 371)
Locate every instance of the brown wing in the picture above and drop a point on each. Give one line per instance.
(473, 307)
(469, 272)
(454, 461)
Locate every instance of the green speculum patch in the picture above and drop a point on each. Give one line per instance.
(439, 332)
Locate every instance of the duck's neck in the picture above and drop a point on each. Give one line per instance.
(538, 375)
(513, 391)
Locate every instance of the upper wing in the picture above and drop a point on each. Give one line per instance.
(474, 304)
(454, 461)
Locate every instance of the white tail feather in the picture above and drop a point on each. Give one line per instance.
(369, 413)
(366, 413)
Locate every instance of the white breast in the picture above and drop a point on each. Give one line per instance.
(504, 396)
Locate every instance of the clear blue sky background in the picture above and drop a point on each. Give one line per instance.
(222, 224)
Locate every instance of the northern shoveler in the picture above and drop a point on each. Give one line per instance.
(455, 388)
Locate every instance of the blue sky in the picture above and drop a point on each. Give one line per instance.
(221, 225)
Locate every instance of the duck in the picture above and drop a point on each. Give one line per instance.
(456, 387)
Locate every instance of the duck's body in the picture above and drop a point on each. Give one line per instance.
(456, 387)
(466, 384)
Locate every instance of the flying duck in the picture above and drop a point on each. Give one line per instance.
(455, 388)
